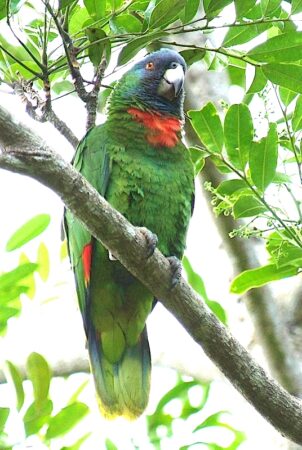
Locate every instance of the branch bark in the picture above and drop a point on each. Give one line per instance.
(24, 152)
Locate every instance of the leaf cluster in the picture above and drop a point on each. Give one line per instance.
(39, 417)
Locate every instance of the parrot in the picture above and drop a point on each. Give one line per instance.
(137, 161)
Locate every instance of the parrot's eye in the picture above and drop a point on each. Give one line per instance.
(150, 65)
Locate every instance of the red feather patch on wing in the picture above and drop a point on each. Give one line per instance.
(86, 260)
(162, 130)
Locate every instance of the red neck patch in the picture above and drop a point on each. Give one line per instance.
(161, 130)
(86, 261)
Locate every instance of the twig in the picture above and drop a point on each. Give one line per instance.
(7, 52)
(37, 110)
(28, 51)
(70, 52)
(219, 50)
(91, 104)
(256, 193)
(89, 98)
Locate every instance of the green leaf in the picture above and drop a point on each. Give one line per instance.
(77, 19)
(215, 6)
(285, 47)
(29, 281)
(207, 125)
(286, 95)
(281, 178)
(63, 250)
(66, 419)
(13, 375)
(101, 46)
(26, 70)
(263, 159)
(296, 6)
(64, 3)
(62, 86)
(43, 262)
(139, 5)
(269, 7)
(243, 34)
(214, 420)
(177, 391)
(14, 6)
(198, 166)
(7, 313)
(78, 444)
(125, 23)
(28, 231)
(96, 8)
(11, 293)
(79, 390)
(258, 83)
(4, 413)
(193, 55)
(135, 45)
(12, 278)
(164, 12)
(3, 9)
(230, 187)
(286, 75)
(243, 6)
(39, 373)
(198, 285)
(258, 277)
(248, 206)
(191, 9)
(36, 416)
(282, 251)
(297, 115)
(236, 75)
(110, 445)
(198, 159)
(238, 132)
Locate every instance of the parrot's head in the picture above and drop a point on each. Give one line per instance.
(154, 84)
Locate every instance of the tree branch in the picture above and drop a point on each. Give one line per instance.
(24, 152)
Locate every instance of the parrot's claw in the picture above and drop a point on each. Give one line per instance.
(151, 241)
(176, 268)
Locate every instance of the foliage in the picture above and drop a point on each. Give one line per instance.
(21, 280)
(37, 412)
(186, 400)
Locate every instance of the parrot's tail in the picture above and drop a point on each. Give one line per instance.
(123, 387)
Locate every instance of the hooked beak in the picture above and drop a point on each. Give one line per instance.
(172, 82)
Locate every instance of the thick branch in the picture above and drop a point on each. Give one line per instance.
(26, 153)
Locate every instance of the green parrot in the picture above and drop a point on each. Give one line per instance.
(137, 161)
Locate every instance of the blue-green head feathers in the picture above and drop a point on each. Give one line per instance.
(154, 84)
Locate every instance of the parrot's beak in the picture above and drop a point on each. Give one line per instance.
(172, 82)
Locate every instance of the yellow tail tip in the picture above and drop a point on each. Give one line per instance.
(116, 412)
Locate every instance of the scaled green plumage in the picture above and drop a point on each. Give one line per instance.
(152, 185)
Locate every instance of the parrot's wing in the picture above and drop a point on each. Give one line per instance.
(121, 369)
(92, 161)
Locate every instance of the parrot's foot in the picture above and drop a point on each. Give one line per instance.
(151, 240)
(176, 268)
